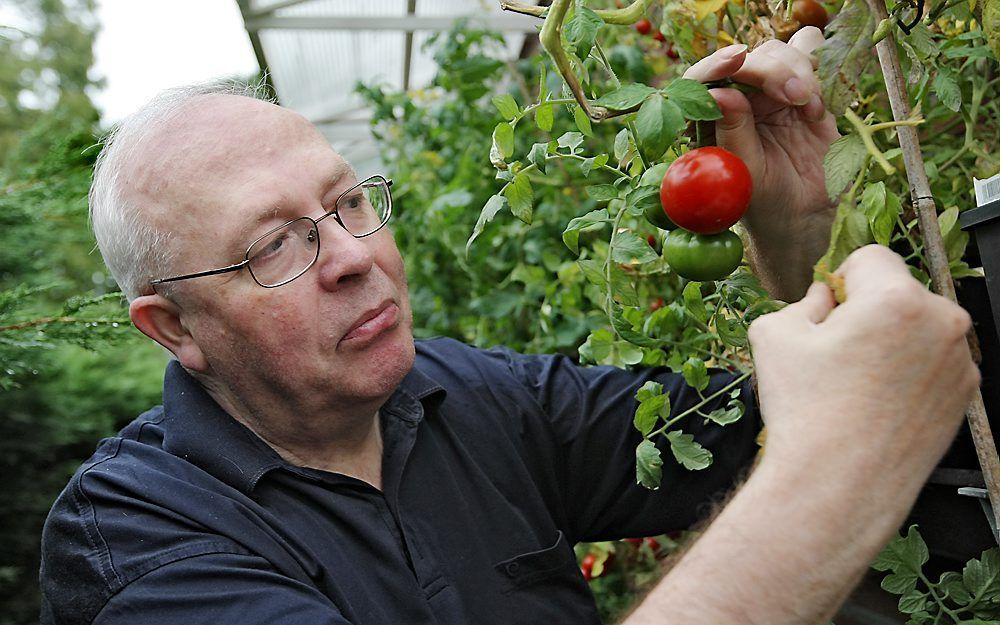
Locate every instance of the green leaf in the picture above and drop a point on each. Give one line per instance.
(694, 303)
(624, 328)
(537, 156)
(571, 235)
(602, 192)
(506, 105)
(582, 121)
(588, 164)
(881, 208)
(693, 99)
(842, 162)
(846, 54)
(695, 373)
(731, 331)
(730, 414)
(627, 97)
(953, 586)
(648, 390)
(850, 231)
(955, 239)
(493, 206)
(653, 176)
(982, 577)
(621, 144)
(650, 409)
(581, 31)
(946, 88)
(899, 583)
(903, 555)
(543, 117)
(597, 347)
(503, 139)
(623, 286)
(913, 601)
(641, 197)
(628, 247)
(571, 140)
(688, 451)
(658, 124)
(593, 271)
(648, 465)
(521, 196)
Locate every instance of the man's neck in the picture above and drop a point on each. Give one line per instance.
(349, 444)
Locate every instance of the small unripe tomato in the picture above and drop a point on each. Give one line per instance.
(655, 215)
(703, 257)
(643, 26)
(810, 13)
(706, 190)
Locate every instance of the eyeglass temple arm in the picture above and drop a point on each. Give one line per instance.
(202, 274)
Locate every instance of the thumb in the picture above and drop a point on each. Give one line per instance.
(815, 306)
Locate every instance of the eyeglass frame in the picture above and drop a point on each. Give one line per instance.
(246, 261)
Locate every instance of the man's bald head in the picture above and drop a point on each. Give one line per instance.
(134, 243)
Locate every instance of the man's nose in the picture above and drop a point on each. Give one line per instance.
(342, 257)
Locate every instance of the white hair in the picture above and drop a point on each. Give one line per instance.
(133, 249)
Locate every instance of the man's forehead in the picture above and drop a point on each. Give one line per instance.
(214, 139)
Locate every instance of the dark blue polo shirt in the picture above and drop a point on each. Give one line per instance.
(495, 464)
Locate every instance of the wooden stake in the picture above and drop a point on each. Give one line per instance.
(937, 257)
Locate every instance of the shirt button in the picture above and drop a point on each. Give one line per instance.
(512, 568)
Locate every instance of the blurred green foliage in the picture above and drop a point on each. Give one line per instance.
(72, 370)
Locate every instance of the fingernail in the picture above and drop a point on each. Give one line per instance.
(732, 51)
(797, 92)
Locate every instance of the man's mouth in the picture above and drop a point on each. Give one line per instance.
(373, 322)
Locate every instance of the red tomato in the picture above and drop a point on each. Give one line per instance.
(643, 26)
(636, 542)
(810, 13)
(671, 53)
(658, 36)
(587, 566)
(654, 545)
(654, 306)
(707, 190)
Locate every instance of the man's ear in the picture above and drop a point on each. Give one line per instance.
(160, 319)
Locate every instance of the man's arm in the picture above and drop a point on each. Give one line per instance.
(782, 131)
(861, 400)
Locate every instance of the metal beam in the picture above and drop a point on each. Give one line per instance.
(275, 6)
(411, 9)
(258, 50)
(402, 23)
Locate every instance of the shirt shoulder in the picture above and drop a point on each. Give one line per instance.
(119, 518)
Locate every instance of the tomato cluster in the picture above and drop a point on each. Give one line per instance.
(703, 193)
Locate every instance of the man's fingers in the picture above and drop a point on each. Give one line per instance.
(736, 130)
(873, 267)
(723, 63)
(816, 305)
(782, 72)
(806, 40)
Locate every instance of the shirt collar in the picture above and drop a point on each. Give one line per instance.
(201, 432)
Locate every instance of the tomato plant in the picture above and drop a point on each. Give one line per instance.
(706, 190)
(566, 169)
(703, 257)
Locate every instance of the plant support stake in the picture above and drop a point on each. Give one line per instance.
(937, 257)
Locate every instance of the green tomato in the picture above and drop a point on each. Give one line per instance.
(703, 257)
(655, 215)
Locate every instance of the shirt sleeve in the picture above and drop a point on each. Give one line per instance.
(218, 589)
(590, 411)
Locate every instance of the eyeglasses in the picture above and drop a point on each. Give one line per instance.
(288, 251)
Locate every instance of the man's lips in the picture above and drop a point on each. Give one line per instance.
(373, 322)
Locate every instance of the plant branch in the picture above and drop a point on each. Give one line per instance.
(622, 17)
(937, 256)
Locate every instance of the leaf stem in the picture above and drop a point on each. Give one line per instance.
(725, 389)
(864, 131)
(607, 269)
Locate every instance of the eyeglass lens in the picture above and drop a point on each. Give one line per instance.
(286, 253)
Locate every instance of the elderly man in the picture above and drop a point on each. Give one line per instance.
(311, 464)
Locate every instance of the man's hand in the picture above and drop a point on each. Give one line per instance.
(860, 401)
(782, 132)
(880, 382)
